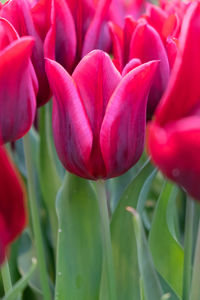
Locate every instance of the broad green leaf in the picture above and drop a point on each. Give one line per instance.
(123, 239)
(21, 284)
(48, 174)
(79, 251)
(166, 251)
(151, 284)
(117, 185)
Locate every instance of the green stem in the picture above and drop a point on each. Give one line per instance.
(5, 273)
(35, 220)
(106, 241)
(188, 248)
(195, 290)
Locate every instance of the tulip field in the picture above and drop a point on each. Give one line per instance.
(99, 150)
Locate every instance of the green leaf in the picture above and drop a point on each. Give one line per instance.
(21, 284)
(123, 240)
(144, 192)
(151, 284)
(26, 253)
(79, 252)
(166, 251)
(48, 174)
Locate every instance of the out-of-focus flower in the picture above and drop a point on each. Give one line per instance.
(174, 135)
(18, 84)
(119, 9)
(12, 204)
(98, 115)
(77, 27)
(140, 40)
(22, 16)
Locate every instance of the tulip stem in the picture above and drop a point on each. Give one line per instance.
(5, 273)
(35, 220)
(195, 290)
(110, 287)
(188, 239)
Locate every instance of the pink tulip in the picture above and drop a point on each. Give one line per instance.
(140, 40)
(174, 135)
(77, 27)
(19, 14)
(98, 115)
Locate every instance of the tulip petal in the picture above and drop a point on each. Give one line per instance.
(147, 45)
(72, 132)
(12, 206)
(175, 150)
(7, 33)
(97, 35)
(183, 92)
(17, 95)
(123, 127)
(117, 43)
(96, 78)
(132, 64)
(60, 42)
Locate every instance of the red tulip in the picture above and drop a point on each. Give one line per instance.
(174, 135)
(98, 115)
(140, 40)
(12, 204)
(19, 14)
(77, 27)
(18, 84)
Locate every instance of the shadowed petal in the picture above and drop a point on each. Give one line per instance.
(123, 127)
(72, 132)
(147, 45)
(17, 94)
(60, 42)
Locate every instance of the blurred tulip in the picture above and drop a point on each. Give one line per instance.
(140, 40)
(77, 27)
(119, 9)
(18, 84)
(12, 204)
(174, 135)
(20, 14)
(98, 115)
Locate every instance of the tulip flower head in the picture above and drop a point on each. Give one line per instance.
(98, 115)
(24, 18)
(77, 27)
(140, 40)
(174, 135)
(12, 205)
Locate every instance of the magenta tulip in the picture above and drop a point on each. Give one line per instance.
(98, 115)
(174, 135)
(19, 14)
(140, 40)
(77, 27)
